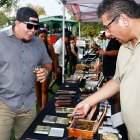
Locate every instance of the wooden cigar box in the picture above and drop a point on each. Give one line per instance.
(85, 127)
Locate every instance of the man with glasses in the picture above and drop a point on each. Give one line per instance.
(121, 19)
(20, 53)
(106, 27)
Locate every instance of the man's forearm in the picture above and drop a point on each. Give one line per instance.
(108, 90)
(111, 53)
(48, 67)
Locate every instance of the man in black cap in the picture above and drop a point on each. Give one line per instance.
(20, 53)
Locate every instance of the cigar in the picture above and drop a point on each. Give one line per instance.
(75, 114)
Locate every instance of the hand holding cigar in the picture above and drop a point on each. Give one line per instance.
(75, 114)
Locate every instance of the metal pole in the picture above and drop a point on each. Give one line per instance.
(63, 47)
(79, 32)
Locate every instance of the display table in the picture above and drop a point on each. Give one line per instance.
(50, 110)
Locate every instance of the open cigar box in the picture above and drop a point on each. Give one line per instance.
(82, 66)
(87, 128)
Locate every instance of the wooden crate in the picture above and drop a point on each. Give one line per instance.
(85, 128)
(82, 67)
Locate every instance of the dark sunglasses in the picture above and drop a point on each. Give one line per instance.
(31, 26)
(107, 26)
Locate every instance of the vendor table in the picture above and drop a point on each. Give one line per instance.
(50, 110)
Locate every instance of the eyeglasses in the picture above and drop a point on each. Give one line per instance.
(106, 27)
(31, 26)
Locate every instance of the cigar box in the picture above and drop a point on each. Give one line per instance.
(72, 80)
(62, 92)
(80, 66)
(85, 127)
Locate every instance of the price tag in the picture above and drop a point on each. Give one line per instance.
(117, 119)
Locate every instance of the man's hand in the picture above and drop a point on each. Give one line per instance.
(82, 108)
(101, 51)
(41, 74)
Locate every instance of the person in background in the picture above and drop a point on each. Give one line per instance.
(58, 49)
(43, 89)
(121, 19)
(20, 53)
(104, 41)
(109, 66)
(109, 54)
(68, 52)
(73, 56)
(91, 37)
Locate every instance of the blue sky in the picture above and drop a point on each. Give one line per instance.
(52, 7)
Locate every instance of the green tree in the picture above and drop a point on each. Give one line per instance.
(8, 3)
(7, 7)
(91, 28)
(40, 10)
(73, 18)
(4, 20)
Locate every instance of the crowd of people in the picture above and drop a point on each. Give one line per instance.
(55, 52)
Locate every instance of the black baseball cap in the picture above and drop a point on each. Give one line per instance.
(24, 14)
(103, 34)
(67, 35)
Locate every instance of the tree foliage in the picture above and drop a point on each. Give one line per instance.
(91, 28)
(10, 6)
(7, 7)
(4, 19)
(74, 18)
(40, 10)
(8, 3)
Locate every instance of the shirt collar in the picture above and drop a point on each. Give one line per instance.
(9, 31)
(129, 45)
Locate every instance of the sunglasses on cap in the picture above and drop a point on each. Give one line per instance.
(31, 26)
(43, 29)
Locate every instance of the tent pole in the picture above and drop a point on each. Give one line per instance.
(63, 47)
(79, 32)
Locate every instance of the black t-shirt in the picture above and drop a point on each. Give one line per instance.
(109, 63)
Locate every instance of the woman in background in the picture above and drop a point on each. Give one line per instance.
(73, 56)
(42, 90)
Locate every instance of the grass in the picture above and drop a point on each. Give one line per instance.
(12, 135)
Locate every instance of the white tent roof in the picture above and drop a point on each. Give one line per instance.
(84, 10)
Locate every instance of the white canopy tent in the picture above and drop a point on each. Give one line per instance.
(84, 10)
